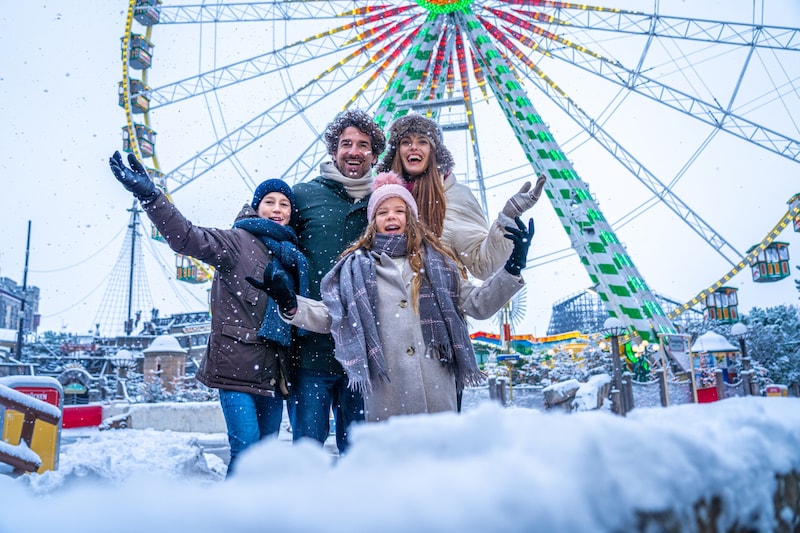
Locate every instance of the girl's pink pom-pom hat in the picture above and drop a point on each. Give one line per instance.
(389, 185)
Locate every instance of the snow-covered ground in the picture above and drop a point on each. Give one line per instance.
(489, 469)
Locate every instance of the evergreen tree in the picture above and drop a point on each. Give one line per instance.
(773, 340)
(797, 281)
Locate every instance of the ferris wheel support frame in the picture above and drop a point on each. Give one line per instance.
(603, 256)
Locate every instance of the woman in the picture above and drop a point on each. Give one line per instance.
(395, 304)
(416, 151)
(246, 357)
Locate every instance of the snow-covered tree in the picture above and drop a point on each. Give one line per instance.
(154, 391)
(772, 342)
(773, 339)
(797, 281)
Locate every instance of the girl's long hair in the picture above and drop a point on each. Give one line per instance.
(418, 236)
(428, 190)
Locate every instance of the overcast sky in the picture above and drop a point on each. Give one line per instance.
(58, 100)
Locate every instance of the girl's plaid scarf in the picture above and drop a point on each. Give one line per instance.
(350, 292)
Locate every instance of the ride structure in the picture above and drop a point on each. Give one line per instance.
(127, 295)
(441, 58)
(134, 97)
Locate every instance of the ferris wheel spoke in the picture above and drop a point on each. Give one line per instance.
(322, 86)
(367, 95)
(281, 10)
(292, 56)
(638, 169)
(681, 28)
(406, 85)
(712, 114)
(226, 76)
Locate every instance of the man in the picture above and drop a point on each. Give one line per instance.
(331, 213)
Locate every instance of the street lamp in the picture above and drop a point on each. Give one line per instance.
(123, 361)
(613, 327)
(739, 332)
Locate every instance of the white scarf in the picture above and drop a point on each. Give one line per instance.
(357, 188)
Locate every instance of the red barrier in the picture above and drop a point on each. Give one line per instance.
(78, 416)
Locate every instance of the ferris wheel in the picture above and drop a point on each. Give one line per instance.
(238, 92)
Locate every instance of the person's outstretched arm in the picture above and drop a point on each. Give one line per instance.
(484, 300)
(305, 313)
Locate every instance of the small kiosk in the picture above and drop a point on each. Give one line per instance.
(711, 351)
(164, 360)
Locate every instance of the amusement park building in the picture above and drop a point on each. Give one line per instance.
(11, 304)
(585, 312)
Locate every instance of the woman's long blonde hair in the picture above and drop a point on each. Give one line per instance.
(418, 236)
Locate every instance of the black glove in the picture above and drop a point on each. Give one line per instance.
(135, 179)
(522, 242)
(278, 286)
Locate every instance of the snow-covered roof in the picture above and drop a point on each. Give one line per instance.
(712, 342)
(164, 343)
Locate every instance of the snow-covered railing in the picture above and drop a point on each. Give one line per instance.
(21, 456)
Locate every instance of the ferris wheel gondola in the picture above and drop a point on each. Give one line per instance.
(442, 59)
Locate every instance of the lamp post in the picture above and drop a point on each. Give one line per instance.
(739, 332)
(123, 361)
(613, 327)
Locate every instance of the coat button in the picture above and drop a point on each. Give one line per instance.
(411, 351)
(403, 303)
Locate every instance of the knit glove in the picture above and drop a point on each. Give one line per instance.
(525, 198)
(135, 179)
(278, 286)
(522, 242)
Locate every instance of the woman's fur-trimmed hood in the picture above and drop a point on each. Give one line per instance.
(415, 123)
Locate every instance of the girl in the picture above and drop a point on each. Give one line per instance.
(395, 304)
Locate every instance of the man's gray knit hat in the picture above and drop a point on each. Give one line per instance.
(415, 123)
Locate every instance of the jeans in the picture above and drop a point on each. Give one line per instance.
(249, 418)
(315, 394)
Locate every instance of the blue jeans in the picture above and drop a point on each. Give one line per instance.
(315, 394)
(250, 418)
